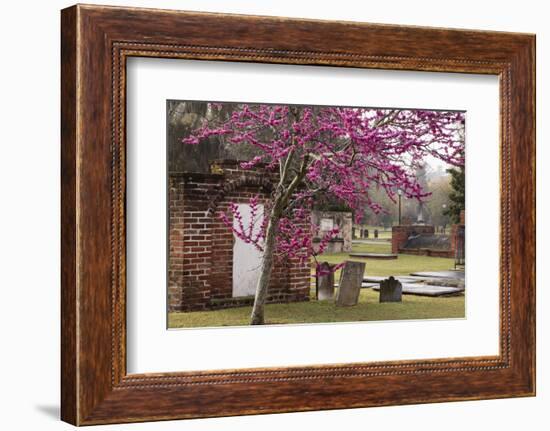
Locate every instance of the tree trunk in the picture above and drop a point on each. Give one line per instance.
(257, 317)
(281, 200)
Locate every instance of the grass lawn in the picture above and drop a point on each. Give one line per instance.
(368, 309)
(382, 234)
(403, 265)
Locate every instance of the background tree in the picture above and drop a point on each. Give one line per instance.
(378, 218)
(186, 116)
(457, 195)
(318, 152)
(438, 202)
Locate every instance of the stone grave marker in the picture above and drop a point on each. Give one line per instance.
(390, 290)
(376, 233)
(350, 283)
(325, 282)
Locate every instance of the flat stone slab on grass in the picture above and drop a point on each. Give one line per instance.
(451, 282)
(377, 279)
(440, 274)
(382, 256)
(428, 290)
(364, 285)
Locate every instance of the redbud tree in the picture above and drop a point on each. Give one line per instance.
(336, 153)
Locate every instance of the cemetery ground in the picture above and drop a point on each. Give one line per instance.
(368, 308)
(383, 233)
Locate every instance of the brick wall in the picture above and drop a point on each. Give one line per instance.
(455, 237)
(200, 270)
(190, 240)
(400, 234)
(429, 252)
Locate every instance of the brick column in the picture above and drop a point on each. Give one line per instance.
(399, 236)
(197, 243)
(175, 255)
(190, 241)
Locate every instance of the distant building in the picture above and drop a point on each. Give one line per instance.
(328, 220)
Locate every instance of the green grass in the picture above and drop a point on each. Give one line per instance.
(403, 265)
(371, 247)
(382, 234)
(368, 309)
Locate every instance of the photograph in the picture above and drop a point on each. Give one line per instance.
(307, 214)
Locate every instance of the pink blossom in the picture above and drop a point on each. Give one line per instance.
(347, 153)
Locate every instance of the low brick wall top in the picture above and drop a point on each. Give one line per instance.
(401, 234)
(432, 242)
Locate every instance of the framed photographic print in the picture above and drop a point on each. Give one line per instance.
(266, 215)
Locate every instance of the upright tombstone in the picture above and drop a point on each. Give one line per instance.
(325, 282)
(391, 290)
(350, 283)
(376, 233)
(366, 233)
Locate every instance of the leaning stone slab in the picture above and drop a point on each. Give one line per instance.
(350, 283)
(390, 290)
(325, 283)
